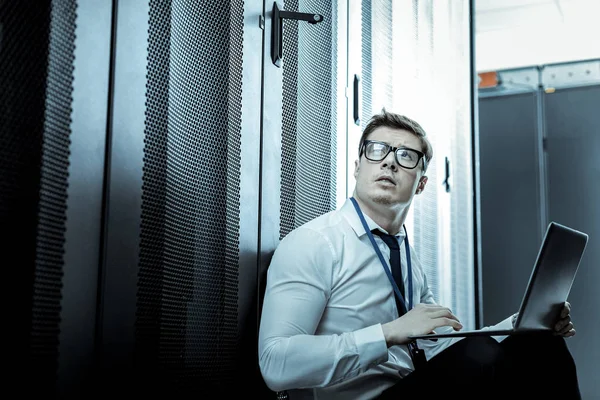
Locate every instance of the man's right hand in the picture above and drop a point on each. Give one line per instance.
(422, 319)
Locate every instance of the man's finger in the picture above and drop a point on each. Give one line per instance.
(457, 326)
(566, 329)
(562, 323)
(445, 312)
(570, 333)
(434, 307)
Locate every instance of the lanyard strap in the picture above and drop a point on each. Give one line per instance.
(385, 266)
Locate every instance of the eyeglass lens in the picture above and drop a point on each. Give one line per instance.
(378, 151)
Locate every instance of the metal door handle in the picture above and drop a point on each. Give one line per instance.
(446, 182)
(357, 99)
(277, 29)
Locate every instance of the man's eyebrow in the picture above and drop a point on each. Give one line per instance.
(401, 146)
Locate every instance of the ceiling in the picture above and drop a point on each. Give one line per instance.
(516, 33)
(494, 15)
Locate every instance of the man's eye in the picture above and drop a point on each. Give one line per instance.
(407, 155)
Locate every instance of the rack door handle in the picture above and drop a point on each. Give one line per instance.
(356, 102)
(277, 29)
(446, 182)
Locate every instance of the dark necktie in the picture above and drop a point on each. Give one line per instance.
(392, 243)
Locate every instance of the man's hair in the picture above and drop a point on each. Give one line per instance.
(396, 121)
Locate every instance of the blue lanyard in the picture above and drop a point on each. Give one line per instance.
(385, 266)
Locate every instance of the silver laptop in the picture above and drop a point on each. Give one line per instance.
(548, 288)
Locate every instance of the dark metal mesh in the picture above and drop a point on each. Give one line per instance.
(186, 328)
(36, 83)
(308, 174)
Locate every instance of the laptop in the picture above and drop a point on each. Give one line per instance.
(548, 288)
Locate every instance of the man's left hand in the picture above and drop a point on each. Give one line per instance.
(564, 326)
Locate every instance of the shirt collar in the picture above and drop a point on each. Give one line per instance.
(353, 219)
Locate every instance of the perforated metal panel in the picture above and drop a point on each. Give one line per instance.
(428, 206)
(186, 326)
(308, 176)
(36, 65)
(381, 57)
(455, 18)
(53, 187)
(366, 63)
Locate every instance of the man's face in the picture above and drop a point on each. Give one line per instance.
(385, 182)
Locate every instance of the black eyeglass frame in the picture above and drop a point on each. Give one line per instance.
(395, 150)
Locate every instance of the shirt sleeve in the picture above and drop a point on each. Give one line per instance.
(298, 286)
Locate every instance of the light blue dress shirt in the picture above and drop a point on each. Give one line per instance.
(327, 296)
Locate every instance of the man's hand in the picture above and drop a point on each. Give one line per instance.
(422, 319)
(564, 326)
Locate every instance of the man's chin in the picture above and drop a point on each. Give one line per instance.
(385, 200)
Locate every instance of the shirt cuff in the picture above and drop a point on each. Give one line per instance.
(371, 346)
(504, 324)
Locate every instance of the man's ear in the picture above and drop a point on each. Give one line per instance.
(356, 167)
(421, 185)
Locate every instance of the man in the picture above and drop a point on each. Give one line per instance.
(335, 324)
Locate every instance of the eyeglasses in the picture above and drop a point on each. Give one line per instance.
(405, 157)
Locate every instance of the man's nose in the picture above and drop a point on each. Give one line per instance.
(389, 161)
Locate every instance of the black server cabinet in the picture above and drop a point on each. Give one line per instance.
(152, 158)
(539, 135)
(573, 143)
(299, 127)
(510, 199)
(54, 72)
(179, 267)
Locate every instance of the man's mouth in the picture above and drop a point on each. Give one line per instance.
(386, 179)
